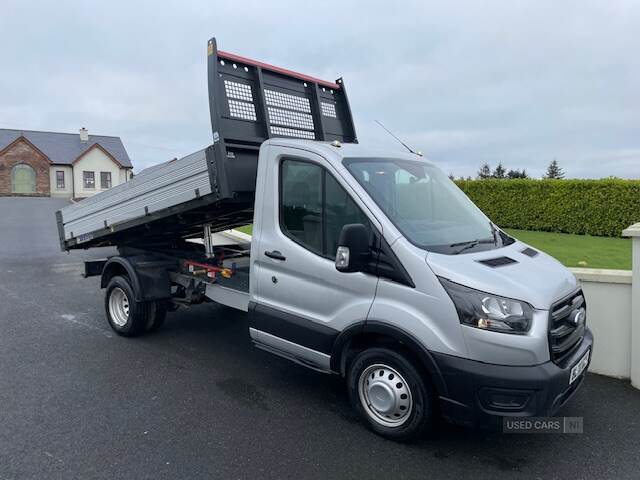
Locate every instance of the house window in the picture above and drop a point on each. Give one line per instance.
(60, 179)
(89, 180)
(105, 180)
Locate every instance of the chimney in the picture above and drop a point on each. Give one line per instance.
(84, 135)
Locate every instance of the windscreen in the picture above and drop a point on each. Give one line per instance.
(426, 206)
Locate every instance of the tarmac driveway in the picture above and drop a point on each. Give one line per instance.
(196, 400)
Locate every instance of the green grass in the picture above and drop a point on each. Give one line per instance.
(572, 250)
(580, 250)
(246, 229)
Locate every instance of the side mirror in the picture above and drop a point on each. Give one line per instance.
(353, 248)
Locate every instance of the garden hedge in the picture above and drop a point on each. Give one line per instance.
(593, 207)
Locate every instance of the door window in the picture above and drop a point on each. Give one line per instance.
(339, 210)
(301, 203)
(314, 207)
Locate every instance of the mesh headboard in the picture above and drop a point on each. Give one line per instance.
(251, 101)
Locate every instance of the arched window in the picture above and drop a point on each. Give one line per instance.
(23, 179)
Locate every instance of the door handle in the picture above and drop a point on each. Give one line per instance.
(276, 255)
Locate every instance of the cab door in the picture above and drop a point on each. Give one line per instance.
(302, 302)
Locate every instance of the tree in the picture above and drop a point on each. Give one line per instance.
(517, 174)
(554, 170)
(485, 171)
(499, 172)
(452, 177)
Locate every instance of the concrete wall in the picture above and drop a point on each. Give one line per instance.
(608, 296)
(67, 191)
(95, 160)
(634, 232)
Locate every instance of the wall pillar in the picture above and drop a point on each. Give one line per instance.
(634, 232)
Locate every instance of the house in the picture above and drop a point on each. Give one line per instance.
(60, 164)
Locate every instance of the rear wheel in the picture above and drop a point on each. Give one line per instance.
(128, 317)
(156, 313)
(392, 394)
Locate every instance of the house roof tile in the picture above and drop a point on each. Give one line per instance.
(64, 148)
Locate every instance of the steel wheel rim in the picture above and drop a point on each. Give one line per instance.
(385, 395)
(119, 307)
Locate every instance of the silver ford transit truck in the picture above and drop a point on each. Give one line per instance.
(366, 264)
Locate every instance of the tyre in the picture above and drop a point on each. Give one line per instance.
(156, 312)
(390, 393)
(126, 316)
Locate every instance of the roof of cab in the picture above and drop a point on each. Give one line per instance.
(345, 150)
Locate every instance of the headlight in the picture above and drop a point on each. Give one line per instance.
(489, 312)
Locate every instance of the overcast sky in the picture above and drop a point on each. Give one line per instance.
(466, 82)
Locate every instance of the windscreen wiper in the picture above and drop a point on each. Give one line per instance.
(470, 244)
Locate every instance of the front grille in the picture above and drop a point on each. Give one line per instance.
(565, 333)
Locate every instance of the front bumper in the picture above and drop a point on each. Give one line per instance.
(481, 394)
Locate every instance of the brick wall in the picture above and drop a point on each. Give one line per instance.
(21, 151)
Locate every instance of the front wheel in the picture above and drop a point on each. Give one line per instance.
(390, 393)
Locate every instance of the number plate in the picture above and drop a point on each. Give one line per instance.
(579, 367)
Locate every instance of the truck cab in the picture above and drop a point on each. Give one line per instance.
(469, 307)
(362, 263)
